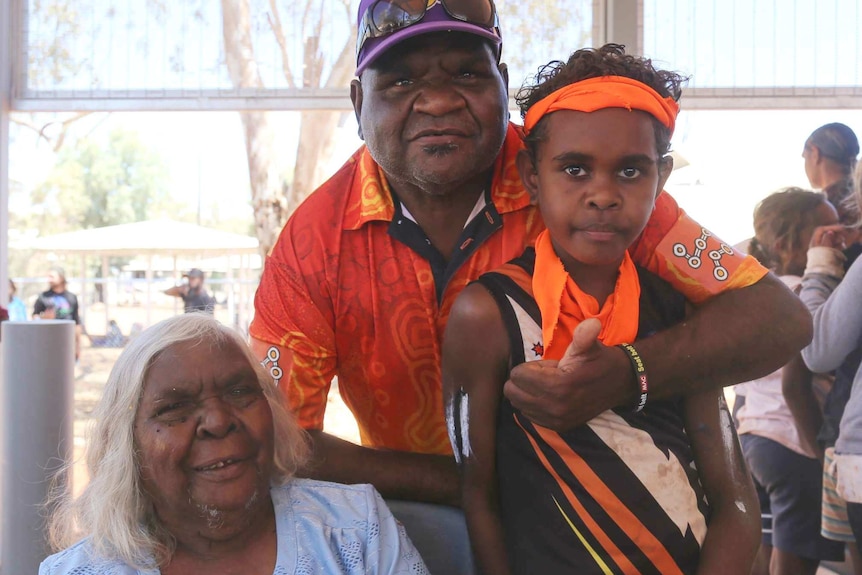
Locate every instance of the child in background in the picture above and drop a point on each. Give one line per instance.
(656, 488)
(17, 309)
(779, 422)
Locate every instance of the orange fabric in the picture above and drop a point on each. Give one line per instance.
(611, 504)
(620, 558)
(340, 297)
(687, 256)
(605, 92)
(564, 305)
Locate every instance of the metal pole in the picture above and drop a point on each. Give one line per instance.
(38, 360)
(6, 36)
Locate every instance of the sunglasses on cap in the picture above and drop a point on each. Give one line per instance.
(385, 17)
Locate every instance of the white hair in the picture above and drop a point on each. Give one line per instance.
(113, 510)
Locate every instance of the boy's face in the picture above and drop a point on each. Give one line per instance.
(595, 180)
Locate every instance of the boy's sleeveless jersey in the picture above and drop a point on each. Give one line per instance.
(620, 494)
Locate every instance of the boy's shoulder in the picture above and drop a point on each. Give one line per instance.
(518, 270)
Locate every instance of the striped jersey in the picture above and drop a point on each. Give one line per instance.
(620, 494)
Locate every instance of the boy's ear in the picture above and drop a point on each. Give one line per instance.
(665, 167)
(529, 176)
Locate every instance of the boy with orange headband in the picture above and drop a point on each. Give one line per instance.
(660, 487)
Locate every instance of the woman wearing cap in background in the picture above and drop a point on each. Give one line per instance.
(830, 156)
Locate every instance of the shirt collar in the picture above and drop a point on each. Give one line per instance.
(370, 198)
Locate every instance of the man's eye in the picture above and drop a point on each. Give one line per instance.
(402, 82)
(630, 173)
(575, 171)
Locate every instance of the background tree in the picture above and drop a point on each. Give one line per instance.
(273, 201)
(95, 184)
(251, 46)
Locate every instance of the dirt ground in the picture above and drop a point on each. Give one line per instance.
(92, 371)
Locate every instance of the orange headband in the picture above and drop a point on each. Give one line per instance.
(605, 92)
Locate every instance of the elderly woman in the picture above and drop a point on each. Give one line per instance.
(191, 463)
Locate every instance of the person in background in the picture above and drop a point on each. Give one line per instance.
(832, 295)
(830, 155)
(781, 417)
(59, 303)
(193, 293)
(191, 465)
(17, 308)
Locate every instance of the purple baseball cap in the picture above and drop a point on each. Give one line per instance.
(436, 19)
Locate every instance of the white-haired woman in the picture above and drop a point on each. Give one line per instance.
(191, 465)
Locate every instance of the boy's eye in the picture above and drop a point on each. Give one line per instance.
(630, 173)
(402, 82)
(575, 171)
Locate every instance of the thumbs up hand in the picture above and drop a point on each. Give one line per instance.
(590, 378)
(585, 341)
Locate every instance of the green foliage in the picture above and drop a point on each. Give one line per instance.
(95, 184)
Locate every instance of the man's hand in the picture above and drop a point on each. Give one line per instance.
(590, 378)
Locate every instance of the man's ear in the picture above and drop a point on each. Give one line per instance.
(356, 98)
(529, 175)
(665, 167)
(504, 73)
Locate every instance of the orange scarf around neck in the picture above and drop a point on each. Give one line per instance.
(564, 305)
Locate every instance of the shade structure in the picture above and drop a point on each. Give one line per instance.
(150, 239)
(163, 237)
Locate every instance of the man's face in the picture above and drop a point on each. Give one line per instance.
(195, 282)
(433, 110)
(54, 279)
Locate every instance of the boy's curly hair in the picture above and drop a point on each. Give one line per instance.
(609, 60)
(779, 222)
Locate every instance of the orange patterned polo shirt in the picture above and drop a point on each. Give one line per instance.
(352, 289)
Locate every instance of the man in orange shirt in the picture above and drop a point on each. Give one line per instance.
(360, 283)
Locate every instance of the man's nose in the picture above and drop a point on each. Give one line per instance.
(438, 99)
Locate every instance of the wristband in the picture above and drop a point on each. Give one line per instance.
(640, 374)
